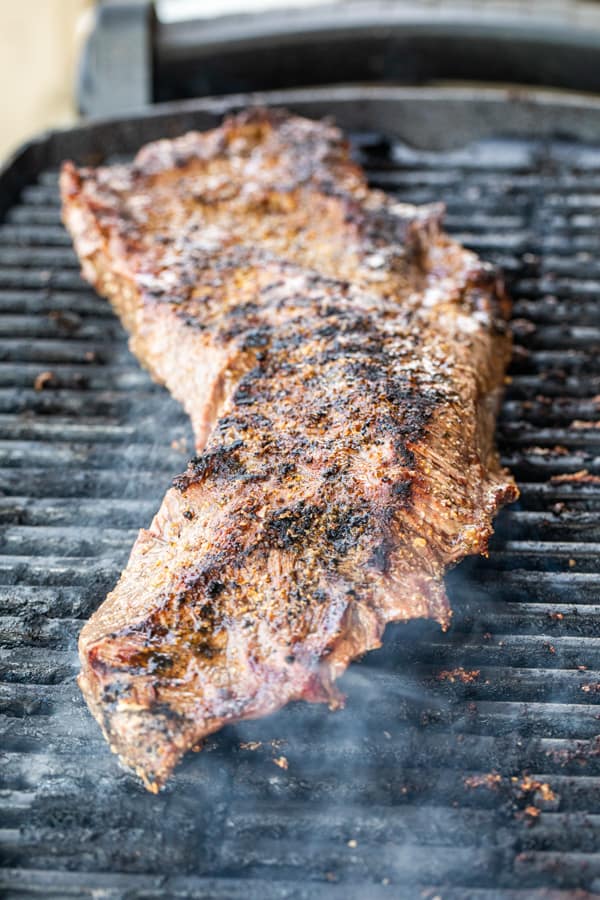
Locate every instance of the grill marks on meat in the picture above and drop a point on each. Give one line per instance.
(341, 360)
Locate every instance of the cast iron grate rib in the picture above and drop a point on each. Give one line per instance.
(466, 760)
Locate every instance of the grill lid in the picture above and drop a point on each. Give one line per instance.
(464, 761)
(143, 51)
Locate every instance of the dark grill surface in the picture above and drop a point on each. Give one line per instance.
(465, 764)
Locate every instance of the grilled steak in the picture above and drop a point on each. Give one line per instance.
(341, 360)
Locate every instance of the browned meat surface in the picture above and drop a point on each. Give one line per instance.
(341, 360)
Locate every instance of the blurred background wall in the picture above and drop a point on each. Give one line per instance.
(39, 41)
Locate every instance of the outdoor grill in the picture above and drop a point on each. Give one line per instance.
(465, 764)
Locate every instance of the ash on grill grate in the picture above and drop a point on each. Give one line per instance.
(465, 760)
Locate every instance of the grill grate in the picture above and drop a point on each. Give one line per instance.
(462, 761)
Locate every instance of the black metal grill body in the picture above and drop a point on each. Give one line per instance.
(465, 764)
